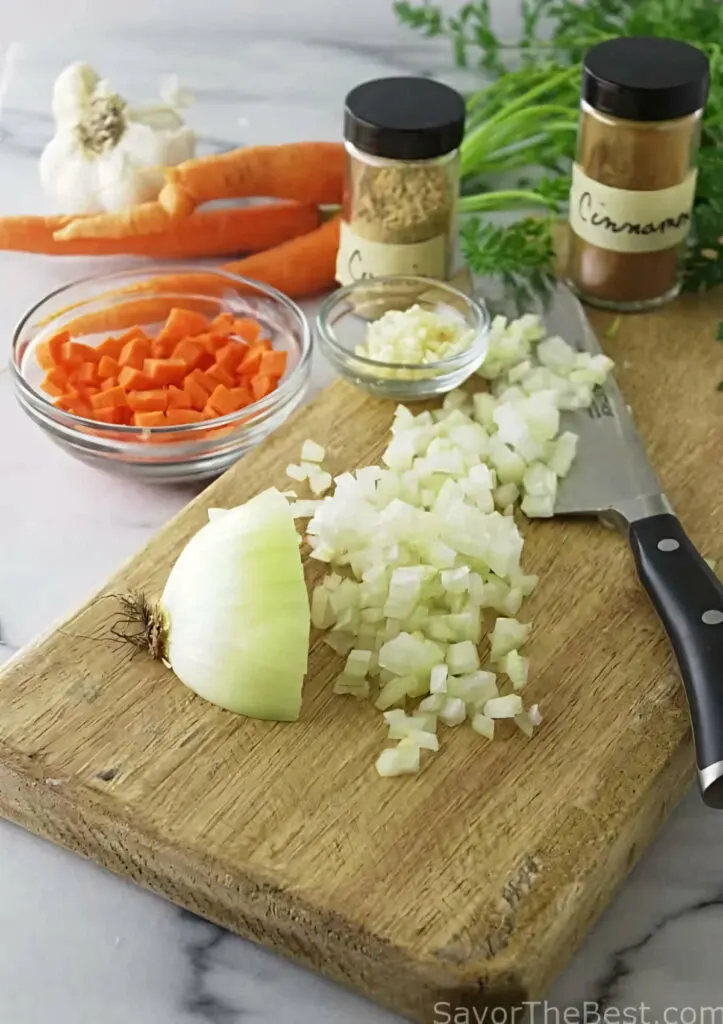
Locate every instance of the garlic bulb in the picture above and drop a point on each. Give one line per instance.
(106, 154)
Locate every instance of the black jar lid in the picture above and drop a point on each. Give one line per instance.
(645, 78)
(404, 118)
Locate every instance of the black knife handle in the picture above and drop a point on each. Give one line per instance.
(689, 600)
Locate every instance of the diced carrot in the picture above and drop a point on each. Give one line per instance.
(68, 401)
(211, 342)
(220, 375)
(113, 398)
(231, 355)
(262, 385)
(116, 416)
(191, 352)
(273, 364)
(165, 371)
(176, 417)
(202, 378)
(108, 367)
(148, 401)
(43, 356)
(183, 323)
(247, 329)
(178, 399)
(195, 392)
(111, 347)
(134, 353)
(149, 419)
(85, 373)
(162, 349)
(109, 383)
(209, 413)
(55, 346)
(76, 352)
(222, 324)
(222, 401)
(56, 382)
(242, 397)
(133, 379)
(251, 362)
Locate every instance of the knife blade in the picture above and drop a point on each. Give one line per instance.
(612, 479)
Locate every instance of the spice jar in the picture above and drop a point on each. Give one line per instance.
(633, 181)
(402, 139)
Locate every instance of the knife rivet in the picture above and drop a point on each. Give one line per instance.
(712, 617)
(668, 544)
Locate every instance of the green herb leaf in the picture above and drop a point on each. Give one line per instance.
(527, 117)
(719, 332)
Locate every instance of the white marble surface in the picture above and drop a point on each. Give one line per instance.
(77, 945)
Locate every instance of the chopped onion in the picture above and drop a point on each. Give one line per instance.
(508, 635)
(297, 472)
(400, 760)
(503, 707)
(483, 725)
(453, 712)
(426, 544)
(517, 668)
(312, 452)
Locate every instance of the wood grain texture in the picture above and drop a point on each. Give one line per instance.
(472, 884)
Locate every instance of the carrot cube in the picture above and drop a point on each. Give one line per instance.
(223, 401)
(113, 398)
(133, 379)
(231, 355)
(248, 329)
(85, 373)
(108, 384)
(148, 401)
(75, 353)
(161, 349)
(211, 342)
(111, 347)
(165, 371)
(56, 345)
(220, 375)
(108, 367)
(202, 378)
(149, 419)
(222, 324)
(177, 417)
(112, 415)
(262, 385)
(182, 323)
(242, 397)
(251, 362)
(178, 399)
(273, 364)
(56, 382)
(190, 352)
(43, 356)
(134, 353)
(195, 392)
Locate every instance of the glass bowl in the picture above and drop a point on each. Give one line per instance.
(171, 454)
(342, 323)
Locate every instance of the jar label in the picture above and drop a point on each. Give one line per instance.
(626, 220)
(358, 258)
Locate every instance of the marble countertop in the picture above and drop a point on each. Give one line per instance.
(78, 945)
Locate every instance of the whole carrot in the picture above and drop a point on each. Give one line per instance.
(302, 266)
(310, 172)
(206, 233)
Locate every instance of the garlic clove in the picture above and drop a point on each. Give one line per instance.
(72, 91)
(75, 186)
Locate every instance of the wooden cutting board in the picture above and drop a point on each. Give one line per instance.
(470, 885)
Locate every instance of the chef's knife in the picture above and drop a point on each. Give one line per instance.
(612, 479)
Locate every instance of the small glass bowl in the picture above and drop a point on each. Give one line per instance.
(342, 323)
(162, 454)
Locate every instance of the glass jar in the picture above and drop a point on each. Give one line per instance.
(633, 181)
(402, 138)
